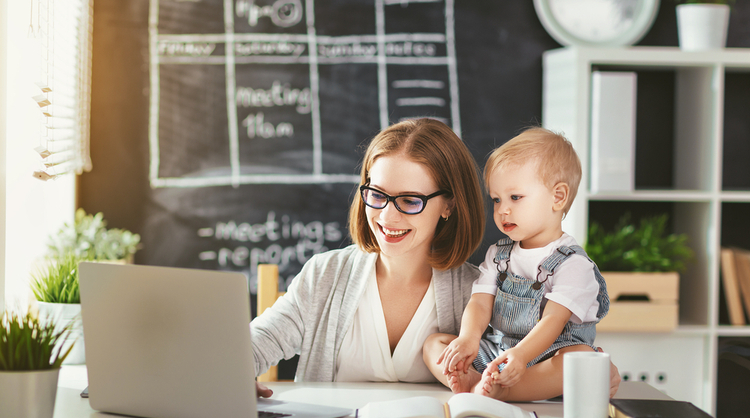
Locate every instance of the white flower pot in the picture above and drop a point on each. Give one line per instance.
(62, 314)
(702, 27)
(28, 394)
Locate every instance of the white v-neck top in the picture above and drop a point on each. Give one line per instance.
(365, 354)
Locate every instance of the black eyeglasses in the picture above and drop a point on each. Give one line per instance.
(410, 204)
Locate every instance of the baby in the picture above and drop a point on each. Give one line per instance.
(538, 290)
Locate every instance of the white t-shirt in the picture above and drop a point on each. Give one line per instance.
(365, 354)
(573, 285)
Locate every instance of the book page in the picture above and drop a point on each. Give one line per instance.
(465, 405)
(414, 407)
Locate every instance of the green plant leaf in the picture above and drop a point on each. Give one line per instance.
(89, 237)
(647, 247)
(28, 343)
(57, 282)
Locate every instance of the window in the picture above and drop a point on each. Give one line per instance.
(63, 32)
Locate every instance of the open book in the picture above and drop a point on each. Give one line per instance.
(461, 405)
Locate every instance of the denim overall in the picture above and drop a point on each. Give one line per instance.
(520, 302)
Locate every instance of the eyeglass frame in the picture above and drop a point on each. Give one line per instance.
(390, 198)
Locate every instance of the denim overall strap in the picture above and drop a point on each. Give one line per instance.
(504, 247)
(516, 309)
(573, 334)
(562, 254)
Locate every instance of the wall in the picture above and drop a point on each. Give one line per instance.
(498, 49)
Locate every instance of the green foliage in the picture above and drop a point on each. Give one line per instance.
(645, 248)
(26, 343)
(57, 281)
(89, 238)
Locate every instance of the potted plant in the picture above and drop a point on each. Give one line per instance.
(55, 281)
(30, 360)
(702, 24)
(641, 265)
(55, 287)
(89, 237)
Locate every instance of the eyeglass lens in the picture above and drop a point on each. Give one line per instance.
(406, 204)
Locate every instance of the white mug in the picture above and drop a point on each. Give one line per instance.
(585, 384)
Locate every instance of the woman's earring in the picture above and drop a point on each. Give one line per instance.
(446, 217)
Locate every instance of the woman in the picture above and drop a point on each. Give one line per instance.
(362, 313)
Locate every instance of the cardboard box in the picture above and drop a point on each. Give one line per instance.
(641, 302)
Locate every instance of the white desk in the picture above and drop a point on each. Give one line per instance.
(73, 380)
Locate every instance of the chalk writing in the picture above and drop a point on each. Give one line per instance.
(269, 48)
(192, 49)
(320, 68)
(283, 13)
(310, 240)
(257, 127)
(277, 95)
(416, 49)
(355, 49)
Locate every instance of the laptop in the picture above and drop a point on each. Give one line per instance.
(165, 342)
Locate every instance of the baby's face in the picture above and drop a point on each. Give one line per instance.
(523, 205)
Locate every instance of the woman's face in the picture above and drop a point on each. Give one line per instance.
(399, 234)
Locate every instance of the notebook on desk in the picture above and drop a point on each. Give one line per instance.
(173, 342)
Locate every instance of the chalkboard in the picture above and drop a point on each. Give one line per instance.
(257, 112)
(229, 132)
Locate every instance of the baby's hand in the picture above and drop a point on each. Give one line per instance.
(458, 355)
(511, 374)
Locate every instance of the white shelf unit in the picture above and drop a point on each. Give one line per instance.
(696, 196)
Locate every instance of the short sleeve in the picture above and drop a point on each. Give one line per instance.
(487, 281)
(575, 287)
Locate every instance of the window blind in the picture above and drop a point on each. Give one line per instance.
(63, 29)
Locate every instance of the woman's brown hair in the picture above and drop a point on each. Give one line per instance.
(434, 145)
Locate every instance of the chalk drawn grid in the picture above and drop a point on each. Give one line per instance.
(373, 49)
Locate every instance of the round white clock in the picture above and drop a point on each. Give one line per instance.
(597, 22)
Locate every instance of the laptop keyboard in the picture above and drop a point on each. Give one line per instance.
(266, 414)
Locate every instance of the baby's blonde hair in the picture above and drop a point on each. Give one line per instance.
(556, 160)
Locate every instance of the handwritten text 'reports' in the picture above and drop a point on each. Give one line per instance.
(310, 240)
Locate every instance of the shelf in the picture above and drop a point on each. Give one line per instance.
(740, 197)
(736, 58)
(692, 145)
(733, 331)
(657, 196)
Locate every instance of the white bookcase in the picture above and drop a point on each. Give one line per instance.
(682, 363)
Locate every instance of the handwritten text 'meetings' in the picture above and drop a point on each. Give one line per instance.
(272, 241)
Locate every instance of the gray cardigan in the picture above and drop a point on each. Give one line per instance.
(318, 309)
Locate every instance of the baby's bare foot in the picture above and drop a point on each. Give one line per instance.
(460, 382)
(485, 387)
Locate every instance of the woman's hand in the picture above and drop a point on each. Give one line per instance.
(458, 355)
(262, 390)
